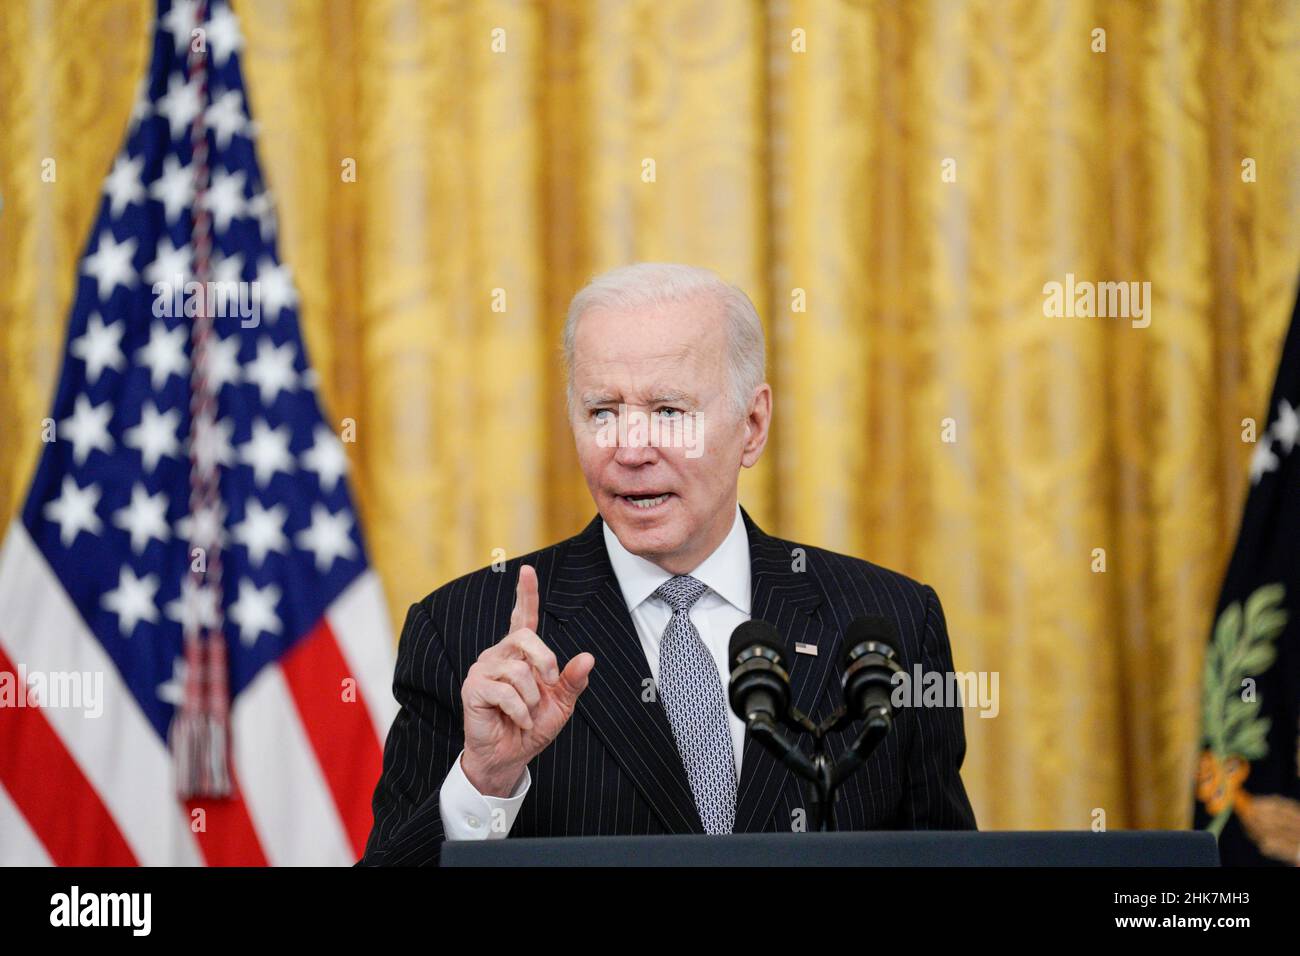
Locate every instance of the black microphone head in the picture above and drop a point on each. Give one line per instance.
(750, 633)
(871, 665)
(759, 686)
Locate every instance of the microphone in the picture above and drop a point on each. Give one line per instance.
(869, 664)
(759, 685)
(759, 694)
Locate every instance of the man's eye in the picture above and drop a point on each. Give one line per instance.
(670, 412)
(596, 413)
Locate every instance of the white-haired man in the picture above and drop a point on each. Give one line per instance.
(582, 691)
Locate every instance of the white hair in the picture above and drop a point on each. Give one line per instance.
(643, 284)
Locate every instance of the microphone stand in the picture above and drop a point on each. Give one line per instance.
(824, 775)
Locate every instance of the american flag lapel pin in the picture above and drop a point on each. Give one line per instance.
(801, 648)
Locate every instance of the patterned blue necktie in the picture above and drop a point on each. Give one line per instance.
(697, 708)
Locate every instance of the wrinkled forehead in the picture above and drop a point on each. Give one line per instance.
(655, 354)
(679, 338)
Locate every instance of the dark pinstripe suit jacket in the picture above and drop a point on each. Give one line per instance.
(614, 768)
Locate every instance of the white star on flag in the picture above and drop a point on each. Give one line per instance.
(110, 264)
(155, 436)
(262, 531)
(228, 268)
(327, 458)
(180, 22)
(180, 104)
(165, 353)
(275, 288)
(327, 537)
(123, 184)
(224, 36)
(170, 265)
(87, 428)
(74, 510)
(174, 188)
(254, 611)
(266, 451)
(1287, 427)
(1263, 461)
(223, 362)
(144, 518)
(272, 371)
(226, 117)
(132, 600)
(142, 107)
(225, 198)
(172, 690)
(262, 209)
(100, 347)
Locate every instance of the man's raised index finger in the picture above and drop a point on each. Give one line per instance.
(524, 614)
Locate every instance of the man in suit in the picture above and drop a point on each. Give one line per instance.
(583, 689)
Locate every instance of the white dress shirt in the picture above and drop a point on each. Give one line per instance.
(469, 815)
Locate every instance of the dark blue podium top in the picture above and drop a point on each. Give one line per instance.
(861, 848)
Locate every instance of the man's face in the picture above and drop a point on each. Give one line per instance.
(662, 365)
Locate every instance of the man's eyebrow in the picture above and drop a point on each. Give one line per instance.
(671, 397)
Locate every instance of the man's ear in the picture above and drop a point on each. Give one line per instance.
(757, 423)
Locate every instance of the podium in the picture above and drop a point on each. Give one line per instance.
(1129, 848)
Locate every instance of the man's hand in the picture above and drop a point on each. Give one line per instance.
(516, 700)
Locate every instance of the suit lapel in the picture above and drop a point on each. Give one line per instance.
(786, 598)
(585, 599)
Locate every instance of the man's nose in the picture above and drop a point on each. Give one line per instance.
(635, 452)
(634, 446)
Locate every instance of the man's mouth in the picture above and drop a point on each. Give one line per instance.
(647, 502)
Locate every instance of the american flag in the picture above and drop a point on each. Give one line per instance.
(188, 543)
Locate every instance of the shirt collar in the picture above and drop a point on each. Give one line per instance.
(725, 571)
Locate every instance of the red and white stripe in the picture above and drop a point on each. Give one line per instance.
(77, 790)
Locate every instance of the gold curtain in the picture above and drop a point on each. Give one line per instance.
(919, 170)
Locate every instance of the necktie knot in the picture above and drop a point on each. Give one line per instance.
(681, 592)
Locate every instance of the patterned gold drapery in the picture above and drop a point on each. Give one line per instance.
(918, 170)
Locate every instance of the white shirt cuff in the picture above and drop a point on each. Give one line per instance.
(469, 815)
